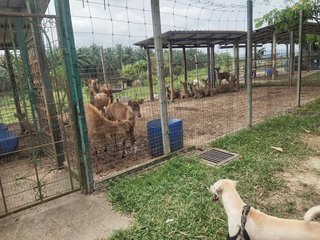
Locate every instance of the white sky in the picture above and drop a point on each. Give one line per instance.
(129, 21)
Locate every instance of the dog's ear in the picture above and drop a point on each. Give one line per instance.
(235, 183)
(219, 190)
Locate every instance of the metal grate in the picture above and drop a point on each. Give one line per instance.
(217, 156)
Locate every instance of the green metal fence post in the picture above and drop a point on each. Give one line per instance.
(66, 39)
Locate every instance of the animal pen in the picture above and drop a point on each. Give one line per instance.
(53, 67)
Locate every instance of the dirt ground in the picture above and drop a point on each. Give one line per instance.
(309, 173)
(205, 119)
(75, 216)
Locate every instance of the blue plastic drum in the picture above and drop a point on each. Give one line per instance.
(3, 127)
(154, 135)
(8, 142)
(268, 72)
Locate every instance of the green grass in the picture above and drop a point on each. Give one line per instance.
(178, 189)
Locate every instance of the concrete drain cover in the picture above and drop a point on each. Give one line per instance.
(217, 156)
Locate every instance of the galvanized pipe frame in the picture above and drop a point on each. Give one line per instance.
(66, 39)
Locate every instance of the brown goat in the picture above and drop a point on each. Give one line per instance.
(100, 128)
(99, 100)
(192, 93)
(176, 94)
(107, 89)
(185, 93)
(118, 111)
(94, 85)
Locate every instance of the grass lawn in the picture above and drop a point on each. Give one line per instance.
(172, 202)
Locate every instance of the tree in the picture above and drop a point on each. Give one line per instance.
(119, 51)
(128, 55)
(288, 19)
(134, 71)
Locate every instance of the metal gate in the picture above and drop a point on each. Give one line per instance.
(38, 141)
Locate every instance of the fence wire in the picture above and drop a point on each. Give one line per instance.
(110, 29)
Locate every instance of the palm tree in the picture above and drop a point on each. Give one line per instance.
(128, 55)
(140, 54)
(119, 51)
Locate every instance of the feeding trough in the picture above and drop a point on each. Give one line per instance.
(154, 135)
(8, 141)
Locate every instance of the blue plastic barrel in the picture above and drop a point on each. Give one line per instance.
(154, 135)
(268, 71)
(8, 142)
(3, 127)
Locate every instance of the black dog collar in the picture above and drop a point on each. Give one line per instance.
(242, 231)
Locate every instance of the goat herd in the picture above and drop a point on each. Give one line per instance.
(108, 120)
(203, 88)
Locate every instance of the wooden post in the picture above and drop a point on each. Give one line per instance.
(237, 63)
(150, 75)
(300, 59)
(185, 65)
(287, 57)
(209, 64)
(103, 66)
(213, 62)
(249, 61)
(255, 60)
(292, 58)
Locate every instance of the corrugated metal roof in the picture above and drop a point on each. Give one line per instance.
(195, 39)
(14, 6)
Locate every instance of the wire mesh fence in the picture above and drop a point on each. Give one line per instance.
(107, 33)
(204, 71)
(38, 155)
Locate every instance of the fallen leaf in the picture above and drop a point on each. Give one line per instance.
(278, 149)
(307, 131)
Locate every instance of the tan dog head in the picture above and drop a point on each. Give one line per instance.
(221, 186)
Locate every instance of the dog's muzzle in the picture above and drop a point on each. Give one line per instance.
(215, 198)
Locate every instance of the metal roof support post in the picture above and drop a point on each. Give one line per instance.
(249, 61)
(300, 59)
(209, 65)
(292, 60)
(171, 73)
(155, 10)
(236, 60)
(150, 75)
(287, 57)
(255, 60)
(213, 63)
(185, 66)
(274, 55)
(238, 65)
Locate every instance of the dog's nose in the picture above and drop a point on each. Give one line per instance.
(215, 198)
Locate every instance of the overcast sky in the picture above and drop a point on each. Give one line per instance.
(129, 21)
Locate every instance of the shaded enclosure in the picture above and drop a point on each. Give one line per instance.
(38, 159)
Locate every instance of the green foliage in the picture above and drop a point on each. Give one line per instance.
(224, 61)
(288, 18)
(134, 71)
